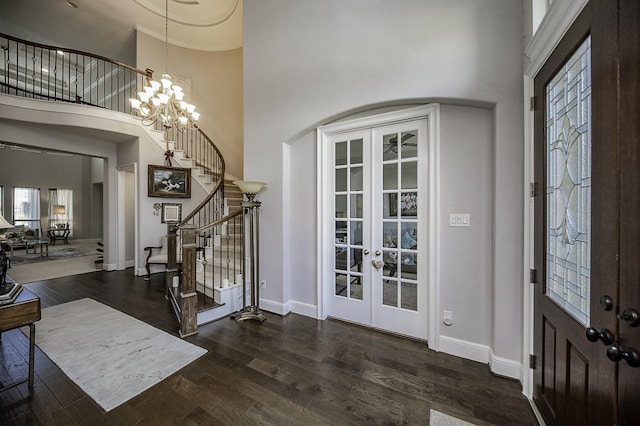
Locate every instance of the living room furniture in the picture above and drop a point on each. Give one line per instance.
(158, 255)
(25, 310)
(28, 245)
(59, 233)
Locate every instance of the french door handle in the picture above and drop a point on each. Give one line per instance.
(378, 252)
(366, 252)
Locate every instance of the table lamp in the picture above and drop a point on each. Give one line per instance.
(4, 224)
(58, 210)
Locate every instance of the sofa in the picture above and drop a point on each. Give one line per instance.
(19, 233)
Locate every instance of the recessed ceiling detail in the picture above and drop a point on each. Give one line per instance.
(193, 13)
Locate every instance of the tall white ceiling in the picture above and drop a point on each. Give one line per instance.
(211, 25)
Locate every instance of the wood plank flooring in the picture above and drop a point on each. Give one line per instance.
(289, 370)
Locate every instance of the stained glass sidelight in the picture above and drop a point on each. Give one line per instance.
(568, 185)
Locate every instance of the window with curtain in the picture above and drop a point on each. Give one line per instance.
(61, 208)
(26, 207)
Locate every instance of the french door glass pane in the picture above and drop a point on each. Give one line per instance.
(355, 149)
(389, 293)
(390, 147)
(356, 178)
(409, 174)
(341, 154)
(356, 205)
(341, 206)
(409, 144)
(568, 185)
(341, 180)
(409, 296)
(390, 176)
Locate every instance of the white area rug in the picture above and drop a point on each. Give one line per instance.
(110, 355)
(440, 419)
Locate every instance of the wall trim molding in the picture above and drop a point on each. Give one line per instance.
(481, 353)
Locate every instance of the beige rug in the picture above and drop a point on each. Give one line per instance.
(46, 270)
(110, 355)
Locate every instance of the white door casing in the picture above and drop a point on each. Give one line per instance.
(368, 308)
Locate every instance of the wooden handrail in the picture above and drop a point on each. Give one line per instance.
(148, 72)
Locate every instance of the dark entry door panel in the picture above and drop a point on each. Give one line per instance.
(584, 234)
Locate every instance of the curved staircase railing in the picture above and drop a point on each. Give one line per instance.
(40, 71)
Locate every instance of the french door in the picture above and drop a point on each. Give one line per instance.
(376, 217)
(587, 164)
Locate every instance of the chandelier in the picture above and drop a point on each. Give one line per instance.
(164, 100)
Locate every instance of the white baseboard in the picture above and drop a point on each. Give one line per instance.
(464, 349)
(480, 353)
(305, 309)
(109, 266)
(505, 367)
(129, 263)
(275, 307)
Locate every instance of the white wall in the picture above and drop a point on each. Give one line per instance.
(466, 169)
(307, 63)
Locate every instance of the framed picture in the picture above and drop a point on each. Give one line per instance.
(171, 212)
(169, 182)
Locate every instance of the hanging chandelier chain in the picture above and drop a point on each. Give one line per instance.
(166, 37)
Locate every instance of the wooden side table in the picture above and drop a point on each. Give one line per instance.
(25, 310)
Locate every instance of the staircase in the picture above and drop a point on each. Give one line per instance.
(208, 285)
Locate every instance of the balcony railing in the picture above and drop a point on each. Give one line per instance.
(40, 71)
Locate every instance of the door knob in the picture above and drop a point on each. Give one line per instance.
(378, 252)
(377, 263)
(366, 252)
(606, 302)
(594, 335)
(630, 316)
(615, 353)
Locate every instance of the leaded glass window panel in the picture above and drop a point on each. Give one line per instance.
(568, 185)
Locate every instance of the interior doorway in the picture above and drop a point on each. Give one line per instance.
(377, 220)
(127, 222)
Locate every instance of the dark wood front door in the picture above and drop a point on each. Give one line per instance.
(587, 208)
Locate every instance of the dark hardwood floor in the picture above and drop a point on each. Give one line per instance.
(289, 370)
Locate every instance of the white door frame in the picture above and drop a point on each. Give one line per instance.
(432, 113)
(121, 234)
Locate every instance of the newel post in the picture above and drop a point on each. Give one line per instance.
(188, 295)
(172, 274)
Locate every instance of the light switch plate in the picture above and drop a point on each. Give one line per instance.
(459, 219)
